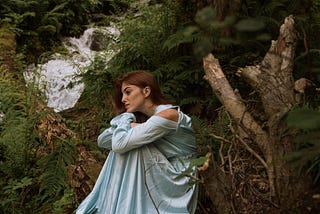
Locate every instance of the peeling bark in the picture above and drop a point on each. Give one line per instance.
(275, 72)
(272, 79)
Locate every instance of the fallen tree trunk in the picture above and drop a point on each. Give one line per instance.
(272, 79)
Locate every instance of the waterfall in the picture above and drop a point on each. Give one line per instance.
(59, 77)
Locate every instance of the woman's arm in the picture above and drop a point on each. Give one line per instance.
(130, 135)
(104, 139)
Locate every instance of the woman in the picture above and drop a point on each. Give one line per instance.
(143, 171)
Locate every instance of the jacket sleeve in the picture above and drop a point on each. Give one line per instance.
(125, 138)
(104, 139)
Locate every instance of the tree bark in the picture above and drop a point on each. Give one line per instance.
(216, 181)
(275, 72)
(272, 79)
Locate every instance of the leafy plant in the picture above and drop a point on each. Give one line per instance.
(307, 154)
(53, 179)
(40, 25)
(141, 45)
(32, 176)
(11, 193)
(16, 142)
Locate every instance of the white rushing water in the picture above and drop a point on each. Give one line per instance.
(58, 78)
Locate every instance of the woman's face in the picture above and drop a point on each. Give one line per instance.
(133, 97)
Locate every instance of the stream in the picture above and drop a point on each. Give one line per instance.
(58, 78)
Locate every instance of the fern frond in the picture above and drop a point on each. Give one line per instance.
(54, 177)
(182, 36)
(47, 28)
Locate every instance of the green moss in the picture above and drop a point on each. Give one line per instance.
(7, 47)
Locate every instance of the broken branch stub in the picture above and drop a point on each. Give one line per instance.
(272, 78)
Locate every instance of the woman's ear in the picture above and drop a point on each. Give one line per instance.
(147, 91)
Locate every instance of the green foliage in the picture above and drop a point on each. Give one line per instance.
(16, 142)
(243, 36)
(53, 180)
(142, 45)
(272, 14)
(15, 127)
(307, 122)
(33, 179)
(141, 37)
(40, 25)
(204, 35)
(51, 21)
(11, 193)
(189, 171)
(166, 37)
(62, 205)
(202, 130)
(305, 119)
(103, 81)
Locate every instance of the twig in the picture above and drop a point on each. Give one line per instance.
(252, 152)
(192, 177)
(219, 138)
(221, 155)
(230, 161)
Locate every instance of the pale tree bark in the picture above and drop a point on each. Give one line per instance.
(272, 80)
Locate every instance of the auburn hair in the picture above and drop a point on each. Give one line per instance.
(141, 79)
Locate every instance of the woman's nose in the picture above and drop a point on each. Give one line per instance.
(123, 99)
